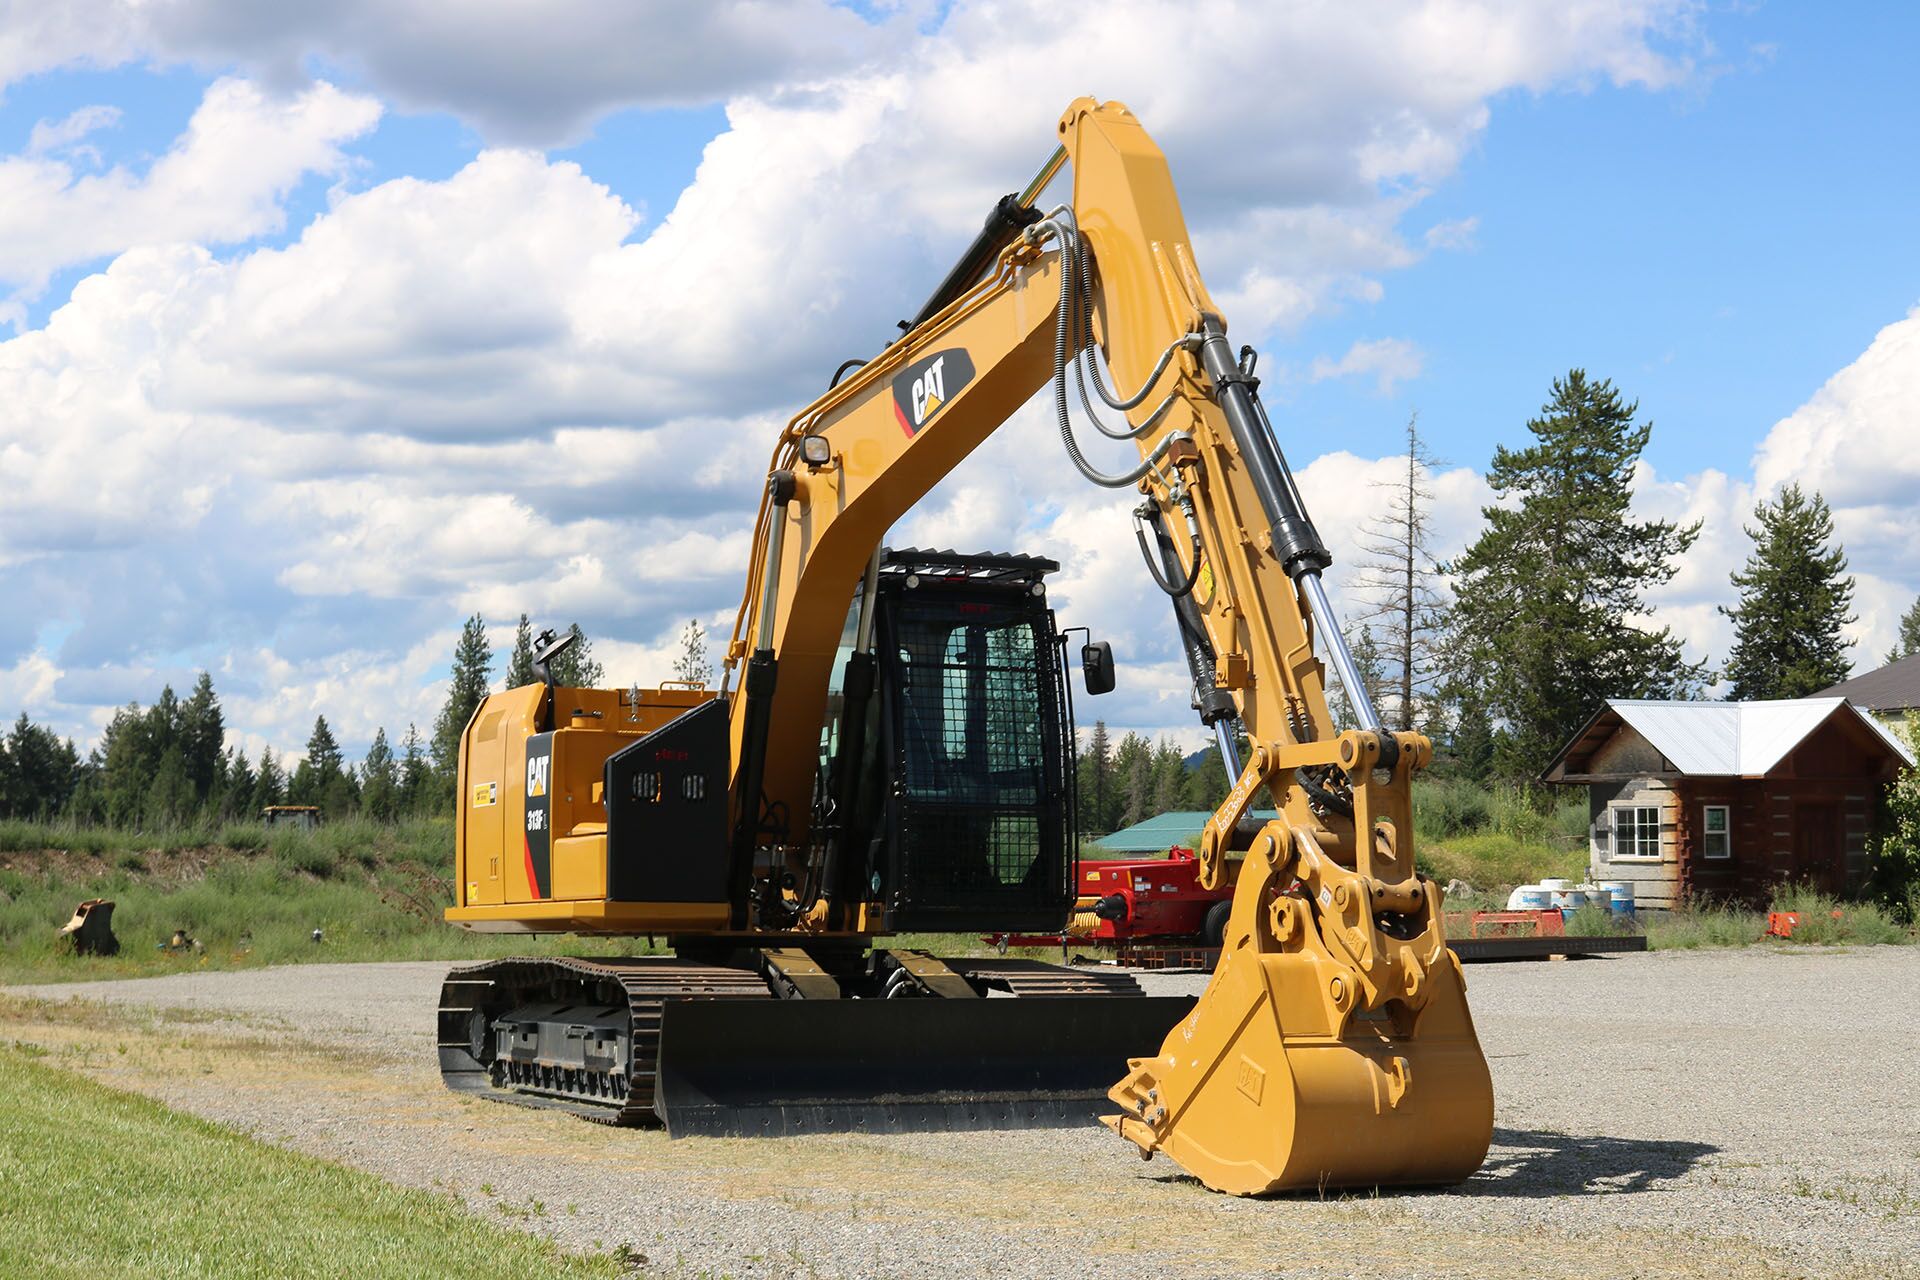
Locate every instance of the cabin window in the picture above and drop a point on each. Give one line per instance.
(1636, 833)
(1716, 833)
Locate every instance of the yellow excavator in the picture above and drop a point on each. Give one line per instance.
(897, 755)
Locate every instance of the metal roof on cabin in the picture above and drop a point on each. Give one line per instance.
(1894, 687)
(1742, 739)
(1177, 826)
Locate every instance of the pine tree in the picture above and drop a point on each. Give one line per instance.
(1473, 740)
(240, 782)
(202, 735)
(1908, 642)
(472, 661)
(414, 773)
(1368, 666)
(269, 785)
(323, 752)
(1133, 765)
(1169, 778)
(1541, 629)
(170, 797)
(38, 772)
(380, 778)
(1794, 596)
(520, 662)
(692, 664)
(1096, 787)
(1392, 585)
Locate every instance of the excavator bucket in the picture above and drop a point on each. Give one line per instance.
(776, 1067)
(1324, 1052)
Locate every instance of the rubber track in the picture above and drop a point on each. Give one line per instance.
(649, 982)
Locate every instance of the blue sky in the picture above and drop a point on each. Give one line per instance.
(1717, 252)
(420, 373)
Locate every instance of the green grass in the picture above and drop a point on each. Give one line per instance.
(249, 897)
(100, 1183)
(1496, 838)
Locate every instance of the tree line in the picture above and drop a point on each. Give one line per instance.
(170, 764)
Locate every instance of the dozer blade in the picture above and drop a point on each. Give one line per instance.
(1291, 1074)
(889, 1066)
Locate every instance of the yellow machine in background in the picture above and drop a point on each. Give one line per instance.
(897, 755)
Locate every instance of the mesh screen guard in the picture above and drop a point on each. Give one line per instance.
(981, 820)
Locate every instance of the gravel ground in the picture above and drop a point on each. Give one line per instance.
(1711, 1113)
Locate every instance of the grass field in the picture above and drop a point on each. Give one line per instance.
(375, 891)
(99, 1183)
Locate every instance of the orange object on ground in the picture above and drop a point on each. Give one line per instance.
(1526, 924)
(1781, 924)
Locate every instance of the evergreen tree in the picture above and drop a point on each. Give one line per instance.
(520, 662)
(170, 797)
(202, 735)
(1169, 777)
(1908, 642)
(323, 752)
(692, 664)
(127, 764)
(38, 772)
(1473, 739)
(575, 667)
(1095, 782)
(1133, 764)
(472, 661)
(269, 785)
(414, 773)
(1398, 608)
(1372, 671)
(240, 782)
(1542, 626)
(1794, 595)
(380, 778)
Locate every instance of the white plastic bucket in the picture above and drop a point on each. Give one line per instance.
(1556, 886)
(1598, 895)
(1622, 891)
(1569, 900)
(1529, 897)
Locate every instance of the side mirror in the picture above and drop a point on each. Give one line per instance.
(1096, 665)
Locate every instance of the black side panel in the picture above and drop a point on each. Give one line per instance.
(768, 1068)
(666, 798)
(539, 833)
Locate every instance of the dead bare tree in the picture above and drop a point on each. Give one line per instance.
(1393, 588)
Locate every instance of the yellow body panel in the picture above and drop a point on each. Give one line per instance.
(493, 863)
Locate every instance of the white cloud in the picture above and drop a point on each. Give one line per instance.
(302, 464)
(222, 181)
(1388, 361)
(524, 74)
(58, 135)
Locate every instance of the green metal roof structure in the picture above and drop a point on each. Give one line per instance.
(1162, 831)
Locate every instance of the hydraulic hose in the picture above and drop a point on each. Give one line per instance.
(1083, 272)
(1152, 556)
(1062, 351)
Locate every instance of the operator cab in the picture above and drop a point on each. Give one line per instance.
(963, 817)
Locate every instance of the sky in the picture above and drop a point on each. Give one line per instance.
(323, 327)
